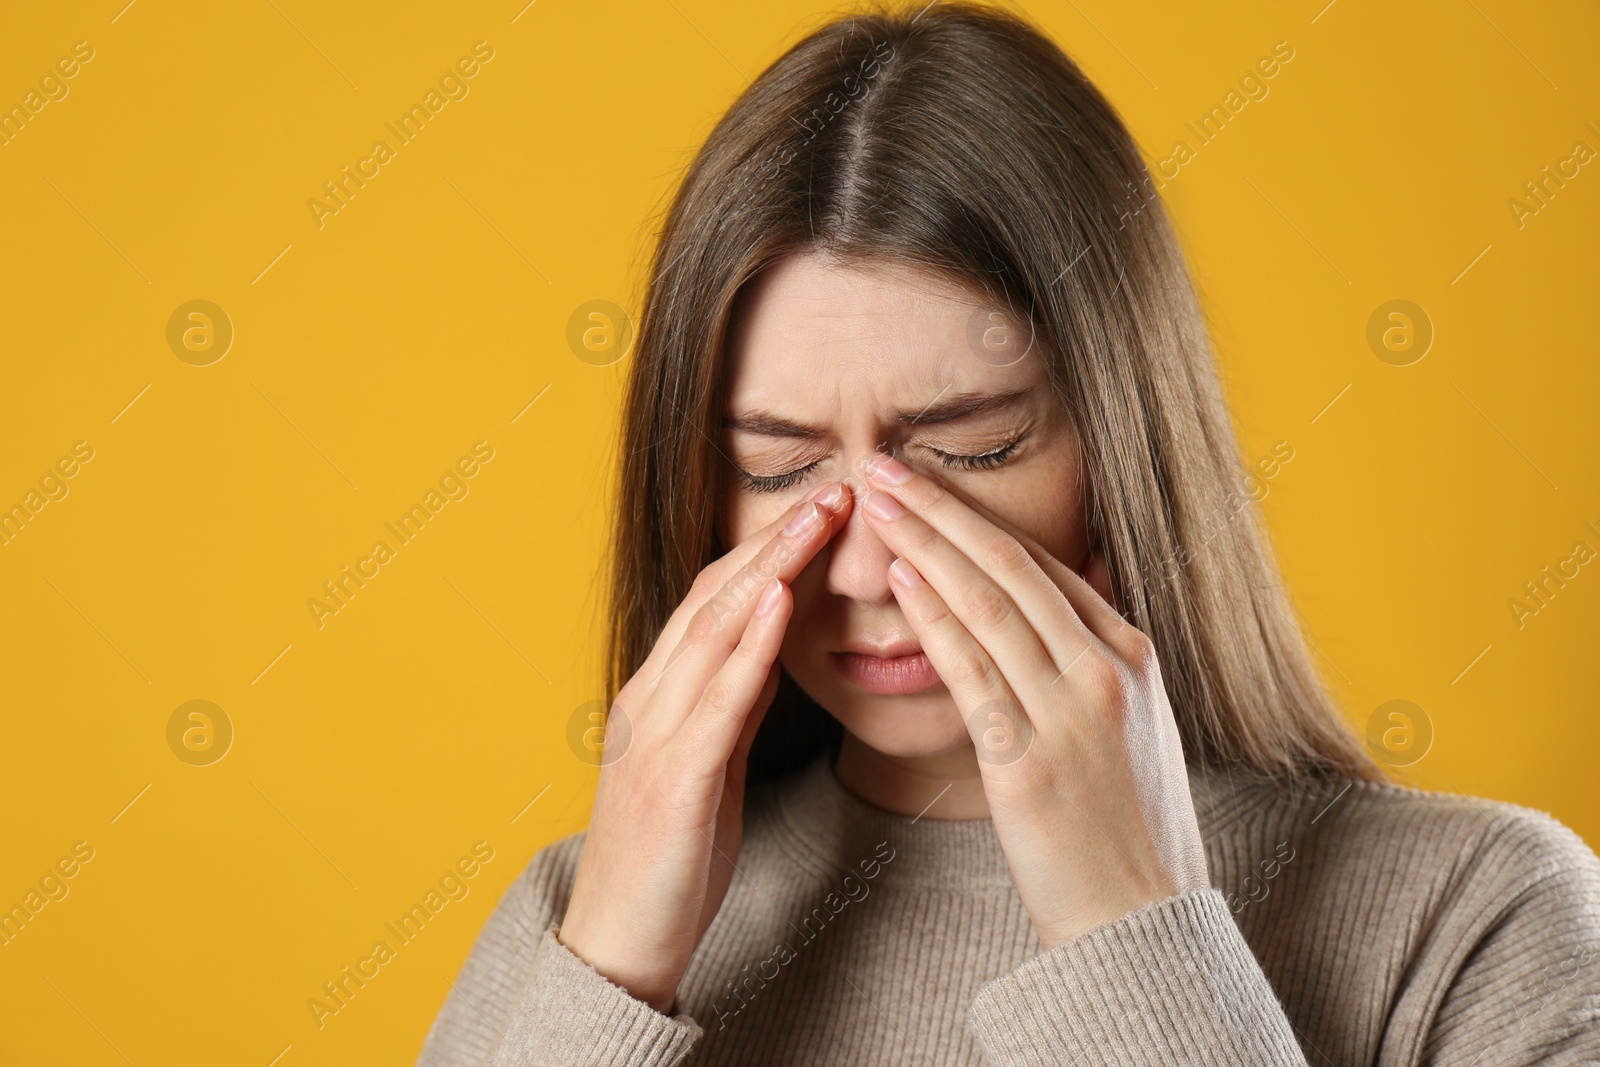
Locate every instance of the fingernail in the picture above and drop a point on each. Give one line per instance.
(769, 597)
(830, 497)
(808, 517)
(883, 506)
(904, 573)
(885, 468)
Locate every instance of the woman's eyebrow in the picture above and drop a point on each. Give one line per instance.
(940, 409)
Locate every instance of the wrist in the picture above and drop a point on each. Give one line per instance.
(658, 992)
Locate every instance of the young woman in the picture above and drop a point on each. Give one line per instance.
(932, 534)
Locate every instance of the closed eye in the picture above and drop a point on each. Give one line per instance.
(774, 483)
(982, 461)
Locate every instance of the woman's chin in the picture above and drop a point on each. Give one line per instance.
(916, 746)
(904, 727)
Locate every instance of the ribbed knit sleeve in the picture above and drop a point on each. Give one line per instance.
(1525, 988)
(1505, 971)
(1173, 982)
(1348, 923)
(523, 999)
(571, 1016)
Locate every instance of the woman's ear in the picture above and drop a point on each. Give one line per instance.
(1098, 575)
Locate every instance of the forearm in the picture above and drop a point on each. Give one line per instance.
(1171, 983)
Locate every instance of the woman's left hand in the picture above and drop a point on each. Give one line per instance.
(1079, 751)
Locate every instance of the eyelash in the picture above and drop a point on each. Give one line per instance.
(756, 483)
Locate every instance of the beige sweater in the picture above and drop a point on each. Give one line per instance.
(1348, 924)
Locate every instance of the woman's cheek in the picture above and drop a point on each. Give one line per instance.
(741, 515)
(799, 635)
(1045, 503)
(807, 586)
(747, 512)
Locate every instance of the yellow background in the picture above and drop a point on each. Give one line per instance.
(370, 754)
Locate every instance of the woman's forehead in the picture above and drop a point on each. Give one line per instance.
(813, 329)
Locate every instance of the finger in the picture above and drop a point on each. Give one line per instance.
(715, 628)
(730, 699)
(1104, 618)
(965, 518)
(716, 577)
(1000, 729)
(1008, 605)
(1094, 598)
(747, 736)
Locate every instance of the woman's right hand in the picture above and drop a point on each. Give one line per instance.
(668, 814)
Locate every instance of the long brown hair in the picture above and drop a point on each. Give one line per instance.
(958, 139)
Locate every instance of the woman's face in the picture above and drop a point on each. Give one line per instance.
(829, 364)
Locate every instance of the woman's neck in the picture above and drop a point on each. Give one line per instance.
(946, 786)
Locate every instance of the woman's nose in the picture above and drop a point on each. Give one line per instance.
(858, 563)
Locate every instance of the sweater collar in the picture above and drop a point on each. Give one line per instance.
(826, 828)
(829, 828)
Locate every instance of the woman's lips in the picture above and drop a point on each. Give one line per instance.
(888, 675)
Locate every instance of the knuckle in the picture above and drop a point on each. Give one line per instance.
(938, 615)
(706, 583)
(720, 697)
(974, 672)
(1103, 677)
(924, 539)
(705, 624)
(1141, 649)
(749, 651)
(1005, 555)
(988, 607)
(1033, 776)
